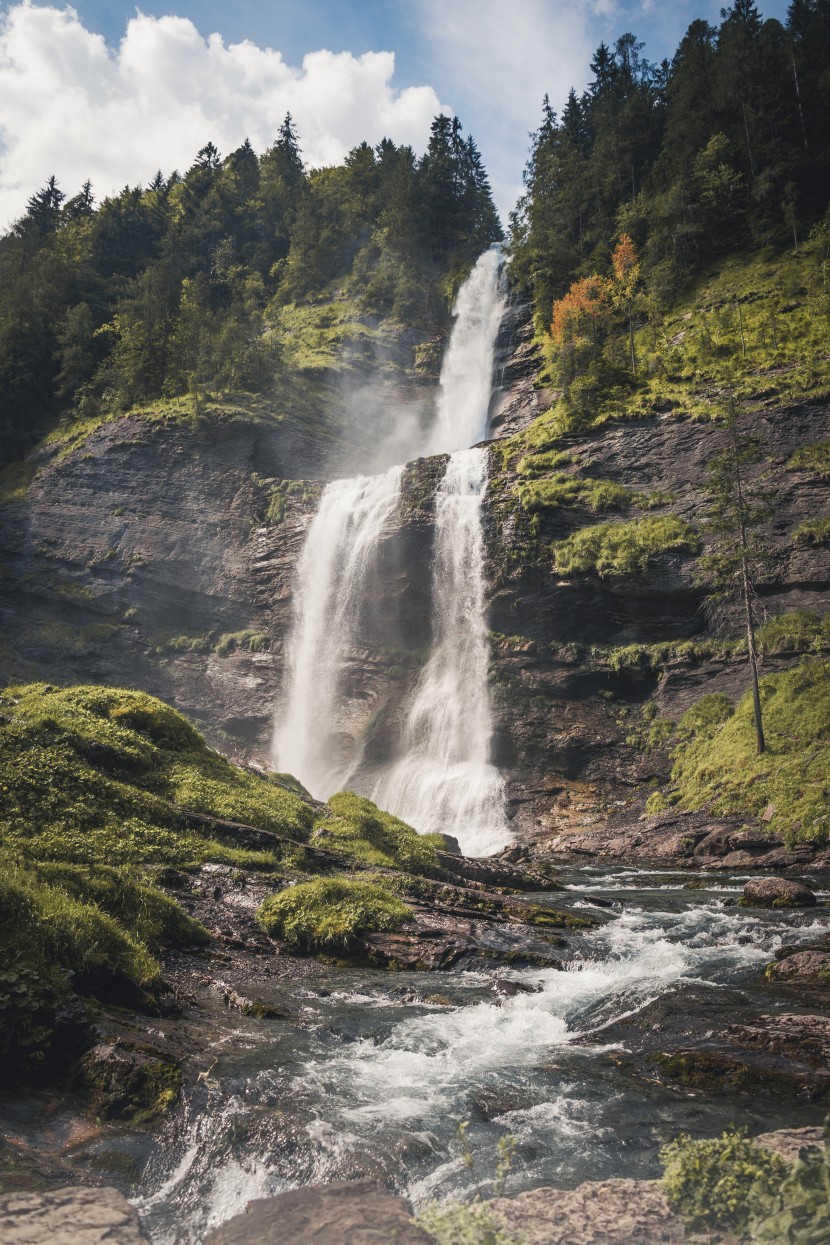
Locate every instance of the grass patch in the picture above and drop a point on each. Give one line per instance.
(716, 765)
(813, 532)
(330, 914)
(92, 781)
(370, 836)
(623, 549)
(253, 641)
(814, 458)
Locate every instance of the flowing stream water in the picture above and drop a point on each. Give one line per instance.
(369, 1074)
(442, 779)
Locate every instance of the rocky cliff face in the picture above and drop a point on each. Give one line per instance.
(162, 555)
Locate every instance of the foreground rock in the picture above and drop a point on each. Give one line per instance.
(355, 1212)
(777, 893)
(605, 1212)
(809, 967)
(69, 1217)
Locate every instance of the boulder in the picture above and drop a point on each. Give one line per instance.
(777, 893)
(73, 1216)
(809, 967)
(357, 1212)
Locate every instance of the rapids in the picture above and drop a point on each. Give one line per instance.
(372, 1073)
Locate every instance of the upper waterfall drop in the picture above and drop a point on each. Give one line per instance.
(466, 383)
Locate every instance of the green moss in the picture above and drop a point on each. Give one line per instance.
(463, 1223)
(716, 764)
(623, 548)
(796, 631)
(93, 781)
(365, 833)
(717, 1182)
(329, 914)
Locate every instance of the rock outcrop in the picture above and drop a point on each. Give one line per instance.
(71, 1216)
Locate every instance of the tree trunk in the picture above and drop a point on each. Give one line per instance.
(760, 742)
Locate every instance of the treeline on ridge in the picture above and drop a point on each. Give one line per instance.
(725, 146)
(161, 290)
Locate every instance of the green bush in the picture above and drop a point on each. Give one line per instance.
(329, 914)
(364, 832)
(718, 1182)
(797, 1212)
(813, 532)
(623, 548)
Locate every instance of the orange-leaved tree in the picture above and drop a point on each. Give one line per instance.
(577, 316)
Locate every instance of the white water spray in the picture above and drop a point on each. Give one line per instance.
(332, 579)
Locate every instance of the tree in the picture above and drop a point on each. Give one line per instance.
(738, 505)
(623, 289)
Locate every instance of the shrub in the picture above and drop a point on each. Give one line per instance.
(623, 548)
(329, 914)
(815, 458)
(797, 1212)
(717, 1182)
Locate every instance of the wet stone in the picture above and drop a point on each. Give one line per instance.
(777, 893)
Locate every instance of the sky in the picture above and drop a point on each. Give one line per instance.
(112, 92)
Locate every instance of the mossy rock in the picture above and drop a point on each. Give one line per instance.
(331, 914)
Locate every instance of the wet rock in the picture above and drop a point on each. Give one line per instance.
(801, 1039)
(801, 968)
(597, 901)
(777, 893)
(607, 1212)
(126, 1081)
(359, 1212)
(504, 988)
(73, 1216)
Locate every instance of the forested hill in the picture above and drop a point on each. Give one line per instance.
(182, 286)
(726, 146)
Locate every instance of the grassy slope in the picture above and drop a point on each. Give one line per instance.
(716, 765)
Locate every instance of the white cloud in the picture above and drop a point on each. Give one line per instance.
(70, 105)
(498, 60)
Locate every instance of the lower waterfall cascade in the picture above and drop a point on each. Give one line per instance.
(442, 778)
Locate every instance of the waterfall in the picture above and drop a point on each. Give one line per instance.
(332, 577)
(442, 779)
(466, 383)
